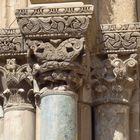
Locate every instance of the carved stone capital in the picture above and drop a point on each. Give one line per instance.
(58, 61)
(55, 37)
(114, 78)
(17, 84)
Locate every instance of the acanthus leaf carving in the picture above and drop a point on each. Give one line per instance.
(114, 78)
(18, 84)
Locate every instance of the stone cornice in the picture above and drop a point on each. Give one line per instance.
(119, 38)
(57, 11)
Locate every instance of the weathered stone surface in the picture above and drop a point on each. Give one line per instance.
(19, 125)
(59, 116)
(112, 122)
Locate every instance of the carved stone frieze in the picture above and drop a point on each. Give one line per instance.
(114, 78)
(11, 42)
(17, 84)
(119, 38)
(68, 21)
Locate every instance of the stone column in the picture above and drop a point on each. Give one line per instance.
(135, 116)
(58, 112)
(19, 112)
(85, 113)
(1, 120)
(117, 11)
(112, 94)
(57, 54)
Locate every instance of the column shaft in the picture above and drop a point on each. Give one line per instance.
(59, 116)
(1, 123)
(112, 122)
(38, 121)
(19, 125)
(85, 122)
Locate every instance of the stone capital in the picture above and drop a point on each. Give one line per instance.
(115, 63)
(114, 79)
(17, 84)
(55, 37)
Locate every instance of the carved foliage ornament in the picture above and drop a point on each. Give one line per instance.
(16, 83)
(58, 60)
(114, 79)
(119, 38)
(54, 25)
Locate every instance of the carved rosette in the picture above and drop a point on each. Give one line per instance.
(17, 85)
(115, 64)
(56, 41)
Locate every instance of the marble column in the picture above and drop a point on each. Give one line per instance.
(19, 111)
(117, 11)
(112, 122)
(19, 120)
(57, 64)
(58, 115)
(112, 96)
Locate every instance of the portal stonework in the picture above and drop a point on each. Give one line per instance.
(69, 70)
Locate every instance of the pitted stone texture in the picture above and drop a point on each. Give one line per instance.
(112, 122)
(117, 11)
(58, 117)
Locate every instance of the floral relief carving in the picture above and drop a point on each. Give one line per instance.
(54, 25)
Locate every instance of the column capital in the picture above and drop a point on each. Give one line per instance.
(115, 64)
(17, 85)
(56, 38)
(114, 79)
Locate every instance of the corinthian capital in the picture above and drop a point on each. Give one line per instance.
(17, 84)
(114, 78)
